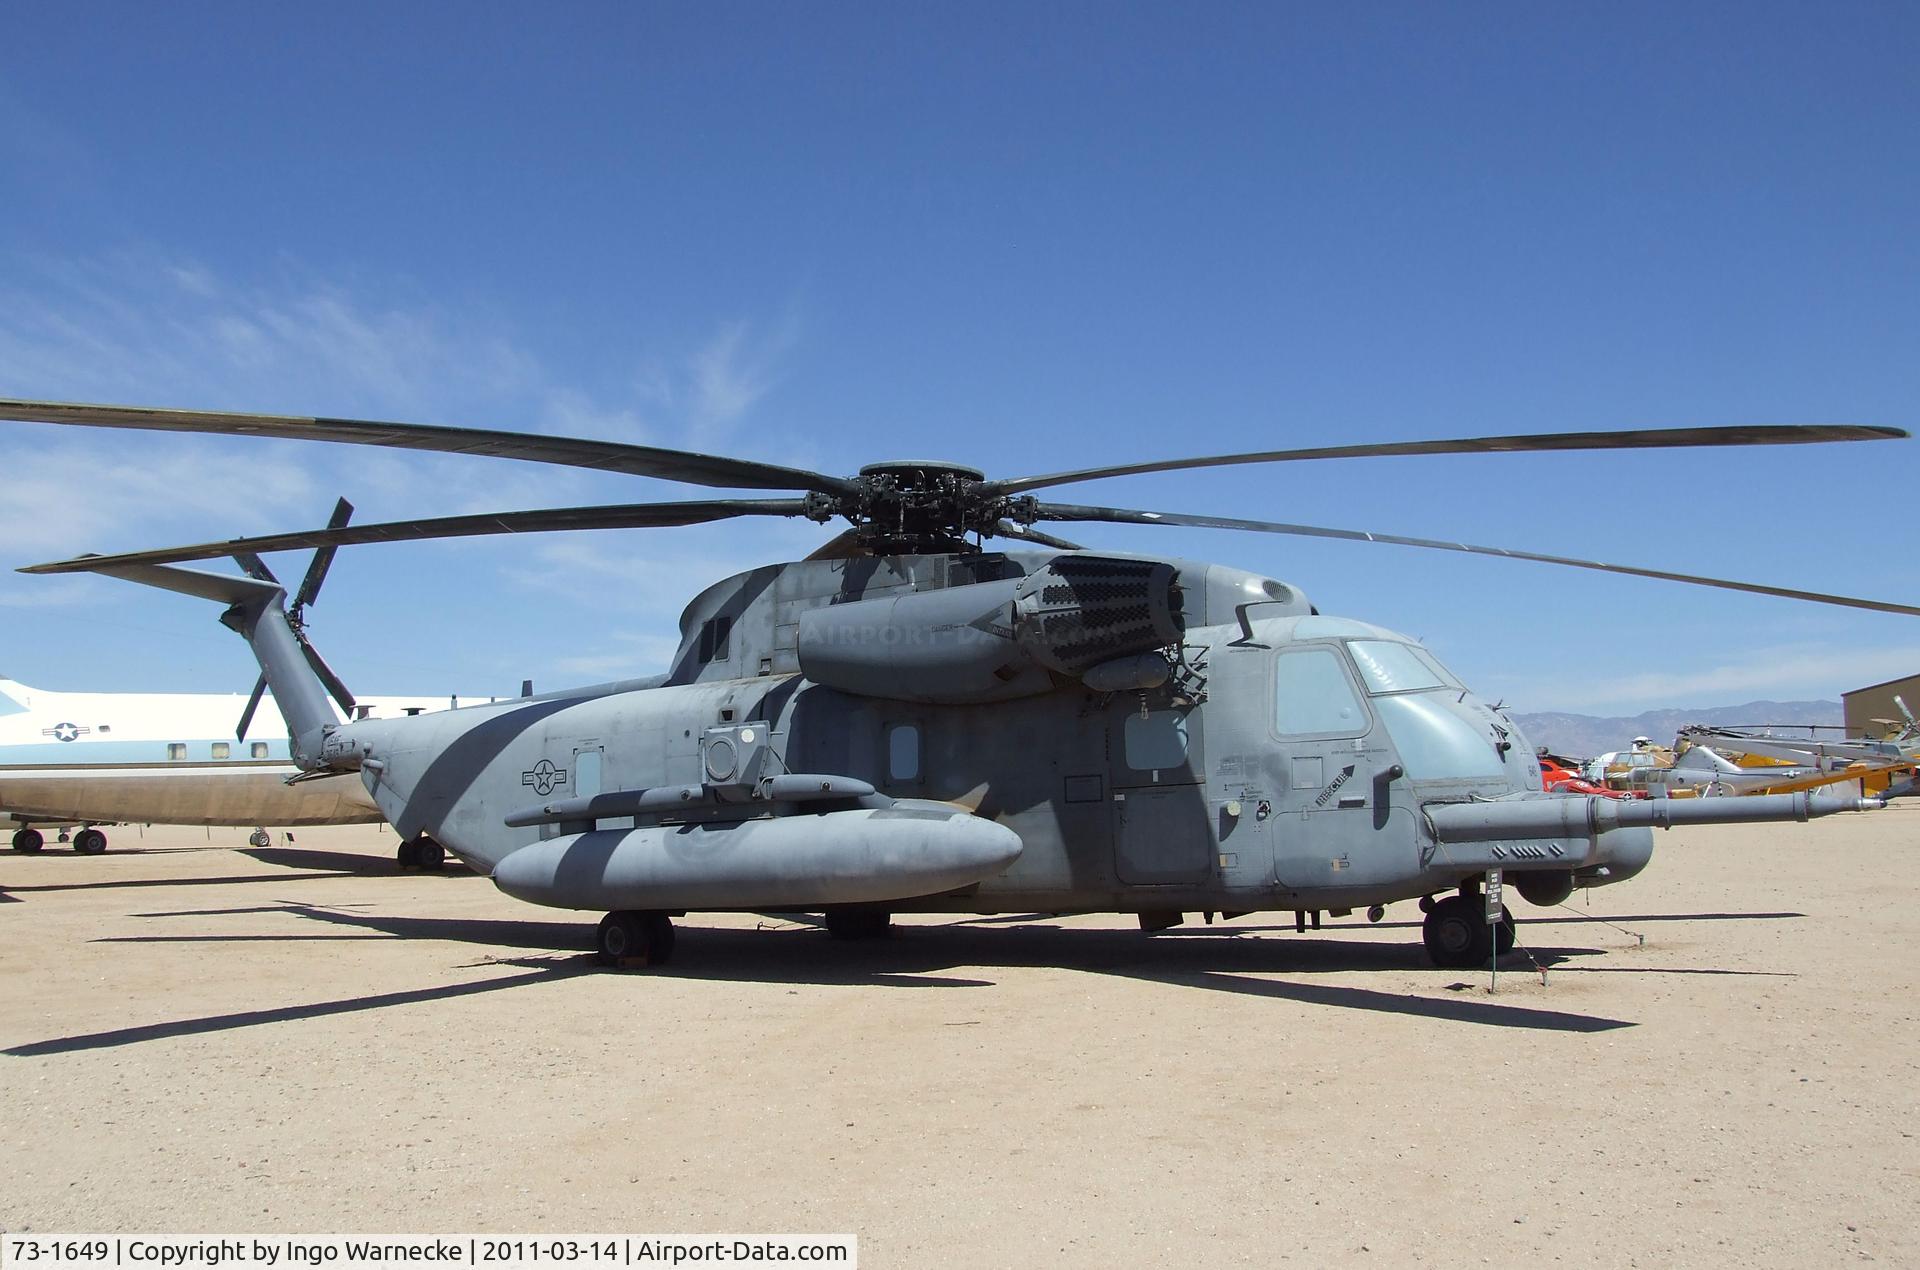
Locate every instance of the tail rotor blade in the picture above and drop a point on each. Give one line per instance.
(334, 683)
(254, 567)
(322, 558)
(253, 703)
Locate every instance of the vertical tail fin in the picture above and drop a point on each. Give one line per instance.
(257, 612)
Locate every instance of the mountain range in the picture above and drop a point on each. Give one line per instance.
(1586, 735)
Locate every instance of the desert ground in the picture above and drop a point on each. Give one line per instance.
(197, 1036)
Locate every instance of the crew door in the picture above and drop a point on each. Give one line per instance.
(1160, 827)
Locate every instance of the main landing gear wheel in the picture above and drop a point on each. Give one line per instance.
(421, 853)
(859, 923)
(259, 839)
(1456, 933)
(634, 939)
(90, 842)
(1503, 934)
(28, 840)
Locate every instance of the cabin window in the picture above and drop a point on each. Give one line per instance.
(1314, 697)
(903, 752)
(259, 749)
(586, 773)
(222, 750)
(176, 749)
(716, 634)
(1157, 741)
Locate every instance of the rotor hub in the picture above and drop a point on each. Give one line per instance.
(908, 506)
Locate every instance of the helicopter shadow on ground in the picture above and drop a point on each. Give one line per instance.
(927, 955)
(117, 1037)
(347, 862)
(1221, 959)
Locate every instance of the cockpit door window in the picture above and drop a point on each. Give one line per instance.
(1313, 695)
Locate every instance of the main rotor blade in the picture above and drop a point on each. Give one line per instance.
(322, 559)
(1645, 439)
(607, 456)
(549, 520)
(1127, 516)
(1030, 534)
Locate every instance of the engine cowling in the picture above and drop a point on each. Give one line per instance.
(995, 641)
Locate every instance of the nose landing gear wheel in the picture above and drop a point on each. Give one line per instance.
(259, 839)
(28, 841)
(634, 939)
(1457, 935)
(90, 842)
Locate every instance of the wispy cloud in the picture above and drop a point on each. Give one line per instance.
(147, 328)
(732, 371)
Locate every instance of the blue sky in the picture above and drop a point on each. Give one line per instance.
(1029, 237)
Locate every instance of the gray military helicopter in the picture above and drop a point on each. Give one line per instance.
(907, 721)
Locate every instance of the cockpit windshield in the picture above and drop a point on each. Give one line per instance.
(1386, 666)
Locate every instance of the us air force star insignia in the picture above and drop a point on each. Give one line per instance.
(544, 777)
(64, 732)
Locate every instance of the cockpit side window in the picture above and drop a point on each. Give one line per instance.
(1314, 697)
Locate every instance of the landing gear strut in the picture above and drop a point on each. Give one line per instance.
(634, 939)
(421, 852)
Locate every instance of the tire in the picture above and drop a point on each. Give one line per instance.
(428, 854)
(407, 854)
(629, 938)
(659, 928)
(28, 841)
(1456, 934)
(259, 839)
(90, 842)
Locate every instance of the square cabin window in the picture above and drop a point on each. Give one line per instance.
(259, 749)
(1156, 741)
(222, 750)
(176, 749)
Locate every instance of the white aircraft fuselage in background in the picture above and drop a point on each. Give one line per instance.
(165, 758)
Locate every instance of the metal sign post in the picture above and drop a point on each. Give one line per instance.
(1494, 914)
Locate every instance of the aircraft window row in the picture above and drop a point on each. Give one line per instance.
(1314, 697)
(177, 750)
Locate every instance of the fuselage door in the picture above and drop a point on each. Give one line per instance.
(1160, 824)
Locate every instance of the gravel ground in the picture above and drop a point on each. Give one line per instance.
(197, 1037)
